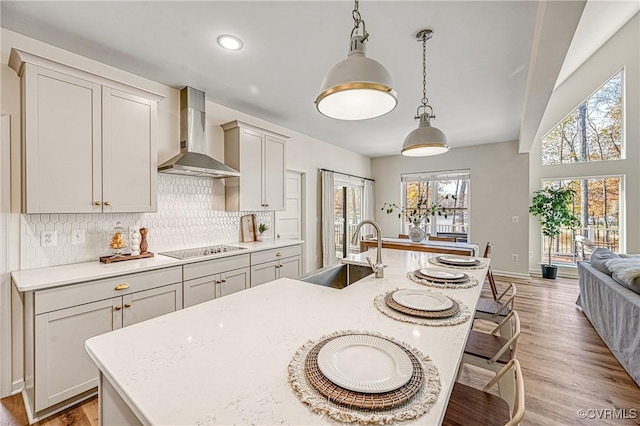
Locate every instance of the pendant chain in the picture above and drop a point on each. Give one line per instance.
(425, 100)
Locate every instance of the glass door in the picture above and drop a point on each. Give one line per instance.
(347, 210)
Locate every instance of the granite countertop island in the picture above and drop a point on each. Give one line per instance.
(225, 361)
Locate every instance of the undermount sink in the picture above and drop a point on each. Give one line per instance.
(338, 276)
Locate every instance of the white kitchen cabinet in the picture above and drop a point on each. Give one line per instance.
(89, 143)
(260, 157)
(269, 265)
(208, 280)
(59, 320)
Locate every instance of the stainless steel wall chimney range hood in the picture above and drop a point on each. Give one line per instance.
(192, 160)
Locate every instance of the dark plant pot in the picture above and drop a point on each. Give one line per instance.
(549, 271)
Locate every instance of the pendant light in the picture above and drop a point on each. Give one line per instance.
(357, 88)
(426, 139)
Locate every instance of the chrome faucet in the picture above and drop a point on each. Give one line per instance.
(378, 268)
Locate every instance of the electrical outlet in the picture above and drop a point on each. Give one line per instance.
(77, 236)
(515, 219)
(514, 257)
(49, 238)
(530, 254)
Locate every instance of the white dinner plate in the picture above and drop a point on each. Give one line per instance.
(457, 260)
(363, 363)
(441, 274)
(422, 300)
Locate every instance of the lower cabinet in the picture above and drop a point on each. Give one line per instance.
(58, 321)
(208, 280)
(286, 263)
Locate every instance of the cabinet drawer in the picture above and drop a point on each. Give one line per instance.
(275, 254)
(217, 266)
(91, 291)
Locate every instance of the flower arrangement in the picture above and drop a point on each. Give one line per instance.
(422, 211)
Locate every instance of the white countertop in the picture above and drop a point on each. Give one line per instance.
(41, 278)
(225, 361)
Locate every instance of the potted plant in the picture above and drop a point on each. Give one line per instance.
(553, 208)
(262, 228)
(419, 215)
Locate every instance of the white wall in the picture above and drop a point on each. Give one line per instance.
(304, 154)
(623, 49)
(499, 189)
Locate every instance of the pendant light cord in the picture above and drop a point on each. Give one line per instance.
(357, 21)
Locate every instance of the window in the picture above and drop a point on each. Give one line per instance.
(435, 187)
(592, 131)
(597, 204)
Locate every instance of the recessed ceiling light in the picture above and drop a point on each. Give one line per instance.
(230, 42)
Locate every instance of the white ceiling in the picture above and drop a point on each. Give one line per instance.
(477, 61)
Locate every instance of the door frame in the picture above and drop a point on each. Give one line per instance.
(5, 258)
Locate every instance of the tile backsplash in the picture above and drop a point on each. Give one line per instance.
(185, 218)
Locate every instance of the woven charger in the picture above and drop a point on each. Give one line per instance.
(420, 313)
(435, 261)
(463, 315)
(439, 284)
(372, 401)
(417, 405)
(463, 280)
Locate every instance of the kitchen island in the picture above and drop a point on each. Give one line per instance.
(225, 361)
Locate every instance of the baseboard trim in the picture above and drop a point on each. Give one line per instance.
(511, 274)
(17, 386)
(34, 417)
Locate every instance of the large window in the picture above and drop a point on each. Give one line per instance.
(592, 131)
(597, 204)
(435, 187)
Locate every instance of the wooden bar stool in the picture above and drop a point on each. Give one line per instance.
(493, 350)
(470, 406)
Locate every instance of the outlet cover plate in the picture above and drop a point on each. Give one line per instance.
(49, 238)
(77, 236)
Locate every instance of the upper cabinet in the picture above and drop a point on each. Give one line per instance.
(89, 144)
(260, 157)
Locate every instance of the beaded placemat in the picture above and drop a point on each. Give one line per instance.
(438, 284)
(417, 405)
(435, 261)
(348, 398)
(463, 314)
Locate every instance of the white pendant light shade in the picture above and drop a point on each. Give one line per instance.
(357, 88)
(425, 140)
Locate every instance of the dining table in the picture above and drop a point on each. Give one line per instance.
(426, 245)
(226, 361)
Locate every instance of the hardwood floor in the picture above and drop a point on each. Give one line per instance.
(565, 364)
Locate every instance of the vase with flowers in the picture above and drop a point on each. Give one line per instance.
(419, 215)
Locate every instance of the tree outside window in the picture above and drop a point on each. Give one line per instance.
(592, 131)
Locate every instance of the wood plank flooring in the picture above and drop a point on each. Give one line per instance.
(565, 364)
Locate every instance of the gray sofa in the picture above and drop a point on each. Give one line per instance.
(614, 312)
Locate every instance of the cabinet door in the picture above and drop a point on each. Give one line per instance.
(274, 173)
(129, 160)
(264, 273)
(289, 268)
(63, 368)
(200, 290)
(251, 170)
(233, 281)
(62, 157)
(152, 303)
